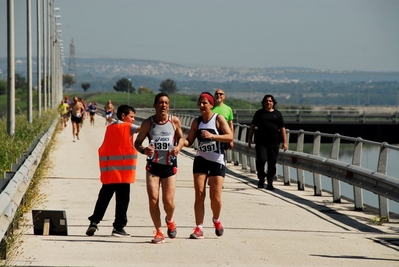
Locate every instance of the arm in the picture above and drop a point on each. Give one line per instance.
(178, 135)
(284, 137)
(191, 134)
(231, 125)
(223, 126)
(138, 143)
(250, 135)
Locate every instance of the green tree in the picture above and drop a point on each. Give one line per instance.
(3, 87)
(68, 80)
(168, 86)
(85, 86)
(20, 82)
(124, 85)
(144, 90)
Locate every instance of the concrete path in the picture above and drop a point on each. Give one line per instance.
(280, 228)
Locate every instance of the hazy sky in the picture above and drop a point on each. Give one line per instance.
(320, 34)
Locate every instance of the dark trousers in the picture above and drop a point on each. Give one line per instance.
(122, 197)
(267, 153)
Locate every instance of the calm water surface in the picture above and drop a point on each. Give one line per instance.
(370, 155)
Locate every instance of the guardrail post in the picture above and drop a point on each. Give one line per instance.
(329, 117)
(298, 116)
(356, 160)
(317, 189)
(243, 156)
(395, 117)
(229, 154)
(362, 117)
(382, 168)
(300, 173)
(236, 156)
(336, 185)
(286, 169)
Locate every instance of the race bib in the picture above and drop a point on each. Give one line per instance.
(208, 146)
(164, 146)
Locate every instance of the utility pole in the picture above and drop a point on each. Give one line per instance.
(38, 57)
(29, 59)
(11, 69)
(72, 64)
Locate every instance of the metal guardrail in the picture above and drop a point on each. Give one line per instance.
(375, 181)
(19, 178)
(307, 115)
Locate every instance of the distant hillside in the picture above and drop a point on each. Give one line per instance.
(113, 68)
(297, 86)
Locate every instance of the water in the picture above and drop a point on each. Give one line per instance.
(369, 160)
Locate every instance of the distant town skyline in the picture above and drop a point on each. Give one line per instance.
(338, 35)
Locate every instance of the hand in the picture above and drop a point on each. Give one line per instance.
(206, 135)
(249, 145)
(285, 146)
(231, 145)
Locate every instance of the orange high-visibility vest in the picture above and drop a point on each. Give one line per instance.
(118, 158)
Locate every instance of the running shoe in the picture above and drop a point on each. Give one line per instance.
(270, 187)
(172, 231)
(158, 238)
(120, 233)
(92, 229)
(218, 228)
(197, 234)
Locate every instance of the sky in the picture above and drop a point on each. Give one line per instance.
(337, 35)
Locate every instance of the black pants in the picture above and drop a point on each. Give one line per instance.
(122, 198)
(267, 153)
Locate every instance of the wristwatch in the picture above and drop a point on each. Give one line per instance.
(142, 150)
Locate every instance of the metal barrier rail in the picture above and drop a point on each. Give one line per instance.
(377, 181)
(19, 178)
(307, 115)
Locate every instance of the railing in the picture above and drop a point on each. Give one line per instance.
(376, 181)
(329, 116)
(17, 180)
(306, 115)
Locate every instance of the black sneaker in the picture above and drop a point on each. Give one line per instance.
(261, 184)
(120, 233)
(92, 229)
(270, 187)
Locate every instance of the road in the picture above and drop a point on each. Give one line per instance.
(285, 227)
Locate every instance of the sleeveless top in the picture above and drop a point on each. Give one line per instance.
(118, 158)
(163, 136)
(209, 149)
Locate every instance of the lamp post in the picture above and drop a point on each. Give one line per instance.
(128, 91)
(250, 98)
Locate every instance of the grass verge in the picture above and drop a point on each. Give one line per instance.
(13, 238)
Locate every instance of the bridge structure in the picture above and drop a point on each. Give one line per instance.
(263, 222)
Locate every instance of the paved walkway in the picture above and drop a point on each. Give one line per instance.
(280, 228)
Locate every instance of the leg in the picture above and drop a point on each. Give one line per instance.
(104, 196)
(153, 183)
(74, 130)
(200, 193)
(261, 158)
(215, 194)
(122, 197)
(168, 194)
(272, 154)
